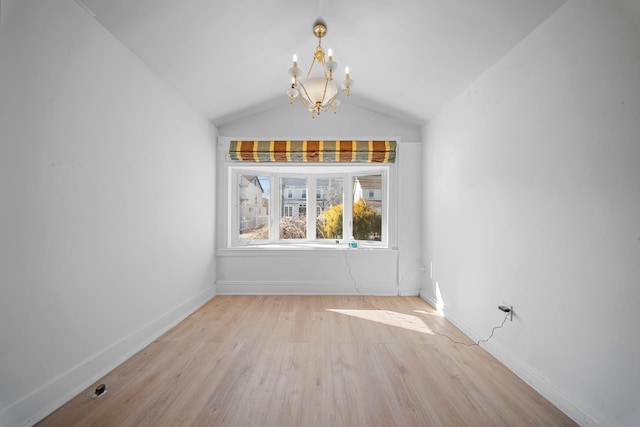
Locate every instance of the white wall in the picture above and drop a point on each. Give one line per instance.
(379, 272)
(282, 119)
(308, 271)
(410, 224)
(533, 199)
(107, 220)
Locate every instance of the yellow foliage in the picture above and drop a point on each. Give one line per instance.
(367, 222)
(331, 222)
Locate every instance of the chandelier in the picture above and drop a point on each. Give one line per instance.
(318, 92)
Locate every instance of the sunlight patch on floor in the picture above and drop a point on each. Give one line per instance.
(429, 313)
(391, 318)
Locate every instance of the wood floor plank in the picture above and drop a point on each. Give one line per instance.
(279, 361)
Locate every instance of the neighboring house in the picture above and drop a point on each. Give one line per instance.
(254, 209)
(368, 188)
(294, 197)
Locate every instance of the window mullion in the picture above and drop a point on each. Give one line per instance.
(311, 207)
(234, 208)
(347, 212)
(274, 214)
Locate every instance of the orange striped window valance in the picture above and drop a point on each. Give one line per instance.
(318, 151)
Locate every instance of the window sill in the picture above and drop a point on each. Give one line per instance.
(304, 249)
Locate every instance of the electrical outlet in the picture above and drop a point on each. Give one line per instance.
(507, 309)
(100, 390)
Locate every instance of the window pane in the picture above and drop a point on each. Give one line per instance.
(367, 207)
(329, 202)
(293, 212)
(254, 207)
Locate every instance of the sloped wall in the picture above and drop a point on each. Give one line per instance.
(107, 220)
(533, 200)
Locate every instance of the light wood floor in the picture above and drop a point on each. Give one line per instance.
(311, 361)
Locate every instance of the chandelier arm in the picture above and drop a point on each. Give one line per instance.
(310, 68)
(305, 90)
(324, 93)
(332, 99)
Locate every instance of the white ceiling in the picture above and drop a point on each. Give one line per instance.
(408, 57)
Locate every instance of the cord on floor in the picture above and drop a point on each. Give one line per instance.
(476, 342)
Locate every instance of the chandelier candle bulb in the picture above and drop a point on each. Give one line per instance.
(330, 54)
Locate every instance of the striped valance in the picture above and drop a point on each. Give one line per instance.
(318, 151)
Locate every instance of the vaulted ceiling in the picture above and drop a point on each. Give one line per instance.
(409, 57)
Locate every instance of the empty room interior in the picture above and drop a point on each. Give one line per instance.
(325, 212)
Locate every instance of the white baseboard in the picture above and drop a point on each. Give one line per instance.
(409, 292)
(43, 401)
(232, 287)
(526, 372)
(429, 299)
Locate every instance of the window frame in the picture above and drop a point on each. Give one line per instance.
(312, 173)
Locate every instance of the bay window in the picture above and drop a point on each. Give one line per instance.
(270, 205)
